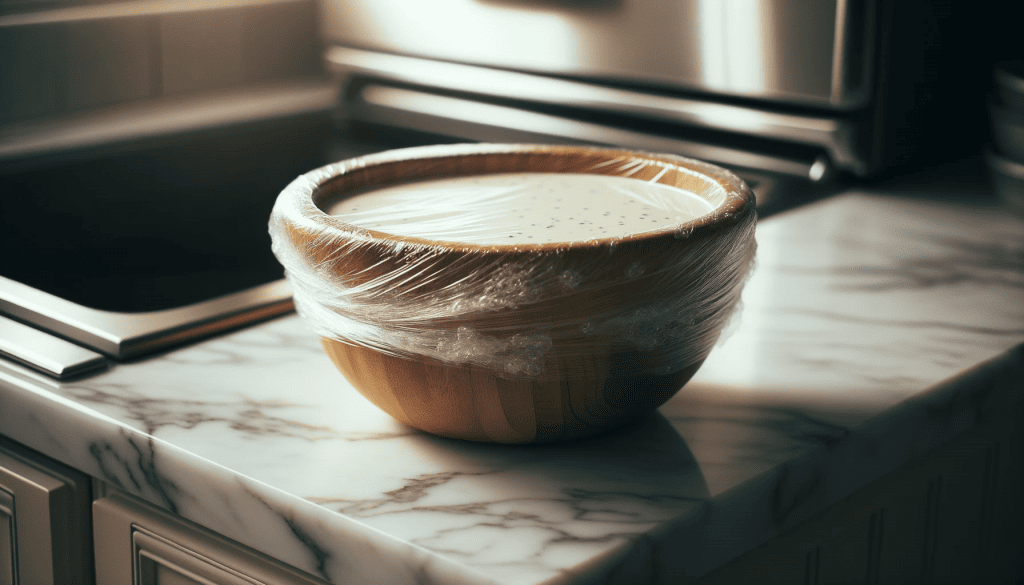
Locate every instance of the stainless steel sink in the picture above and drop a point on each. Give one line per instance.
(156, 242)
(160, 241)
(130, 252)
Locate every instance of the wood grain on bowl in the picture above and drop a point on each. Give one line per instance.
(479, 404)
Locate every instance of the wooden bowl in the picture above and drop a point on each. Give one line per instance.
(588, 381)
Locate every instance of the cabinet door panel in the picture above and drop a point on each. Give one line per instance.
(6, 538)
(43, 520)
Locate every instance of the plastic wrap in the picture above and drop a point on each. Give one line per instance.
(654, 301)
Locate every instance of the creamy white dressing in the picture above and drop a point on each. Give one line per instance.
(522, 208)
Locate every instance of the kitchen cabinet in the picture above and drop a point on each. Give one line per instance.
(46, 538)
(138, 544)
(44, 515)
(951, 516)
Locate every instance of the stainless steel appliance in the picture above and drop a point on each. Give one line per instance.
(789, 87)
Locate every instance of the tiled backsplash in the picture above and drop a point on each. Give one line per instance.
(82, 57)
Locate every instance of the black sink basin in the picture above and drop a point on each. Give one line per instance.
(163, 241)
(159, 228)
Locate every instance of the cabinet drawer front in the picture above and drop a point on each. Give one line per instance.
(139, 544)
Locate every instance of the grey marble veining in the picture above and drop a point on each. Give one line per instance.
(872, 329)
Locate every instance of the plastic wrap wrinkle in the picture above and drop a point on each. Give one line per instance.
(513, 308)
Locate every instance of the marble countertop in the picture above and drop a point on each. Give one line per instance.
(874, 328)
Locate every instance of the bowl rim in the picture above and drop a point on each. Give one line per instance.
(304, 192)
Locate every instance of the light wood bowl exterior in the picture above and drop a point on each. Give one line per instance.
(477, 404)
(578, 394)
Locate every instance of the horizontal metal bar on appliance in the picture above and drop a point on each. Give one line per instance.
(834, 136)
(470, 120)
